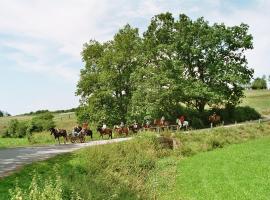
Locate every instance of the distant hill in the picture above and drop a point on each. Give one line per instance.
(44, 111)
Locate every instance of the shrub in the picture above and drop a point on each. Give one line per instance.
(42, 122)
(16, 129)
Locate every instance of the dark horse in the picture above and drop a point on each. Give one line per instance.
(59, 133)
(87, 132)
(106, 131)
(135, 128)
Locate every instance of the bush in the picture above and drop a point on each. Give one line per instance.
(16, 129)
(42, 122)
(259, 83)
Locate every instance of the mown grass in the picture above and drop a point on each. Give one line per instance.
(235, 172)
(258, 99)
(138, 169)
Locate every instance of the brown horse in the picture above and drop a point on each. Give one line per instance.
(59, 133)
(106, 131)
(121, 130)
(160, 123)
(214, 119)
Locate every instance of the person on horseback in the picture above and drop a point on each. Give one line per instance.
(135, 125)
(103, 126)
(122, 125)
(162, 120)
(75, 131)
(147, 123)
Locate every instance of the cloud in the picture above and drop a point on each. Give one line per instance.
(59, 28)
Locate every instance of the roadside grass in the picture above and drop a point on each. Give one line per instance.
(142, 168)
(13, 142)
(258, 99)
(235, 172)
(114, 171)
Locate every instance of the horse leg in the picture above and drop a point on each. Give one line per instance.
(58, 139)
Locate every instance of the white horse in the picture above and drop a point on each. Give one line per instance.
(185, 124)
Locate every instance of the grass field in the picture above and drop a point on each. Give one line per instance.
(235, 172)
(145, 169)
(258, 99)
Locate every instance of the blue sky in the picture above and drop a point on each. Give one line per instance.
(41, 41)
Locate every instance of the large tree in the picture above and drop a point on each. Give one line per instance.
(176, 62)
(105, 85)
(158, 81)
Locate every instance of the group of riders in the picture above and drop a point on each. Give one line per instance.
(79, 132)
(180, 121)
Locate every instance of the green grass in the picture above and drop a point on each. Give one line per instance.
(115, 171)
(13, 142)
(141, 168)
(258, 99)
(235, 172)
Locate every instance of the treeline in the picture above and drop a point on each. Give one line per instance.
(54, 112)
(20, 129)
(176, 65)
(260, 83)
(4, 114)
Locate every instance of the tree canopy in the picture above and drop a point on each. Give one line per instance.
(259, 83)
(175, 62)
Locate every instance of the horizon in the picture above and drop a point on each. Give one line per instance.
(41, 41)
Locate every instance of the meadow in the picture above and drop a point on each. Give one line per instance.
(145, 168)
(258, 99)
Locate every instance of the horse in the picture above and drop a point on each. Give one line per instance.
(161, 123)
(183, 124)
(59, 133)
(121, 130)
(214, 119)
(87, 132)
(135, 128)
(106, 131)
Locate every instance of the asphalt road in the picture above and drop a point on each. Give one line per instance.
(12, 159)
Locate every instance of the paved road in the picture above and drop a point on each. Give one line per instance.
(14, 158)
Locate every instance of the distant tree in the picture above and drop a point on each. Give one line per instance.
(1, 114)
(259, 83)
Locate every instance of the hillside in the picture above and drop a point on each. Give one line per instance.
(258, 99)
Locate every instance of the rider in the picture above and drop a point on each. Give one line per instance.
(122, 125)
(135, 125)
(103, 126)
(75, 131)
(182, 119)
(162, 120)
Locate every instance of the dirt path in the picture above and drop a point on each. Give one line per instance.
(13, 158)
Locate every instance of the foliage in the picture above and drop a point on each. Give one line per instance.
(49, 189)
(1, 114)
(259, 83)
(42, 122)
(16, 129)
(176, 61)
(19, 129)
(105, 85)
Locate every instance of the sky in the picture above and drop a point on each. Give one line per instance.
(41, 41)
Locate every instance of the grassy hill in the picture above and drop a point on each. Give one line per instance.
(236, 172)
(258, 99)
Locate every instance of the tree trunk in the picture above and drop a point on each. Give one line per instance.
(201, 105)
